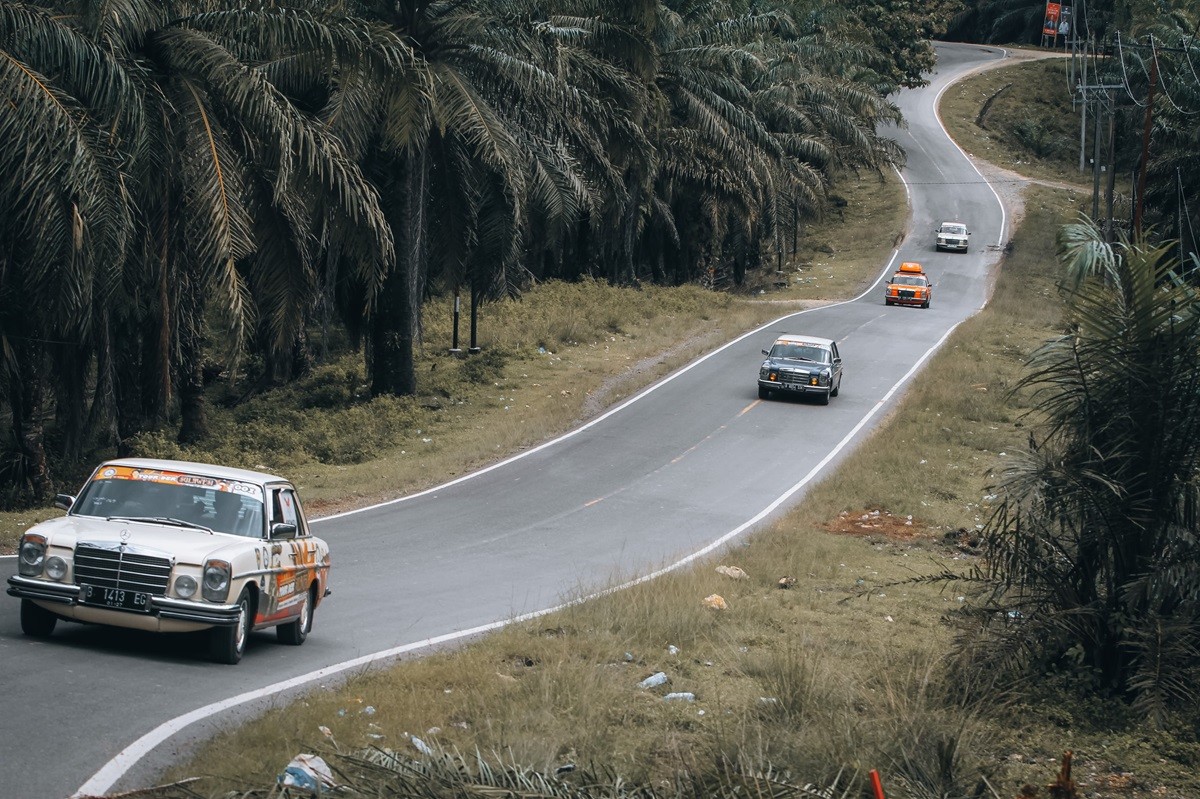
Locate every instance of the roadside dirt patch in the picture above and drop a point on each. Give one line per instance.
(873, 522)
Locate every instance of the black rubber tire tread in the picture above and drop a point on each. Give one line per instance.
(224, 644)
(296, 632)
(36, 621)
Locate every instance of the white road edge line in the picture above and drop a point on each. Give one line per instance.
(116, 768)
(617, 408)
(124, 760)
(937, 114)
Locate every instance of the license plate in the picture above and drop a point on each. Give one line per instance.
(120, 598)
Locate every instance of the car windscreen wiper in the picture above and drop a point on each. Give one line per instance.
(161, 520)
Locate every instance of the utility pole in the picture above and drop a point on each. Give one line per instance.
(1083, 113)
(1141, 183)
(1112, 175)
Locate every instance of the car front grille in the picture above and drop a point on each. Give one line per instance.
(793, 378)
(114, 566)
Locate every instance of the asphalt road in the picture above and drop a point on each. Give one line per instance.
(686, 465)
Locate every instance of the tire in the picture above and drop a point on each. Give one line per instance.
(836, 389)
(36, 621)
(764, 393)
(228, 644)
(823, 399)
(294, 633)
(925, 304)
(887, 301)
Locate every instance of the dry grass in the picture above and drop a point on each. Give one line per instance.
(841, 669)
(559, 354)
(1029, 128)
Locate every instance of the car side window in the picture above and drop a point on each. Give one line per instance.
(836, 357)
(284, 509)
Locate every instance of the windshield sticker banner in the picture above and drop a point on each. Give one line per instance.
(180, 478)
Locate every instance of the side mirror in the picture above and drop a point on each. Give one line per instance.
(282, 530)
(764, 352)
(63, 501)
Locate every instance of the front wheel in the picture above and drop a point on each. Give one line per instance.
(823, 399)
(294, 633)
(925, 304)
(36, 621)
(764, 393)
(228, 644)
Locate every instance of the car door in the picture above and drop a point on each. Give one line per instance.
(836, 380)
(301, 552)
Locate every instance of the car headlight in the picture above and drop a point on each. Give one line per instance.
(216, 580)
(32, 555)
(825, 375)
(56, 567)
(185, 586)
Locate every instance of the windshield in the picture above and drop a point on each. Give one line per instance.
(908, 280)
(955, 230)
(184, 500)
(800, 352)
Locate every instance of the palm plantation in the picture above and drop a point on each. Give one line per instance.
(204, 179)
(193, 188)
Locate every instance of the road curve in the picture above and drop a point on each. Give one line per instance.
(677, 470)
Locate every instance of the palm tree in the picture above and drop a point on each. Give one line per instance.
(473, 134)
(1094, 549)
(65, 211)
(148, 134)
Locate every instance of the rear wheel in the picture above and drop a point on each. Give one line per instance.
(763, 393)
(295, 632)
(36, 621)
(228, 644)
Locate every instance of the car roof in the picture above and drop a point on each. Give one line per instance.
(957, 224)
(801, 339)
(206, 469)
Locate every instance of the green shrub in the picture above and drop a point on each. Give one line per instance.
(486, 367)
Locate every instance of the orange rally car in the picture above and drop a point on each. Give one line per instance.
(909, 286)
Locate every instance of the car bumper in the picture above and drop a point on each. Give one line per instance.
(907, 300)
(952, 245)
(793, 388)
(63, 599)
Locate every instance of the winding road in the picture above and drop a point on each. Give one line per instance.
(668, 475)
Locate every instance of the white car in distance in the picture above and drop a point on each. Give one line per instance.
(952, 236)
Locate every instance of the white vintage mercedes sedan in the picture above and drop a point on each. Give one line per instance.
(172, 546)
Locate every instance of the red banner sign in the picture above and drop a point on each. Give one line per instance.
(1050, 26)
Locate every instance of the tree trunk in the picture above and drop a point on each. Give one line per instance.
(27, 396)
(193, 412)
(396, 320)
(392, 368)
